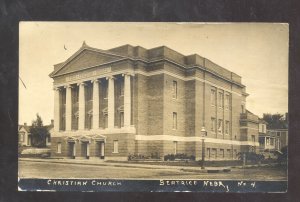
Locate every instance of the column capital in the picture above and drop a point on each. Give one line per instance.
(95, 81)
(68, 86)
(128, 74)
(110, 77)
(81, 83)
(57, 88)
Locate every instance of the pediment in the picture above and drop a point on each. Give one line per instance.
(86, 59)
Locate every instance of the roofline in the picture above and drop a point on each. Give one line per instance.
(159, 60)
(78, 52)
(107, 52)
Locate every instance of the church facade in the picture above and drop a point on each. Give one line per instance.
(109, 104)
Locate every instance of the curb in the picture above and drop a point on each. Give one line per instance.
(163, 167)
(103, 164)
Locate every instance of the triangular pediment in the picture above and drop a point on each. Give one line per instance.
(85, 59)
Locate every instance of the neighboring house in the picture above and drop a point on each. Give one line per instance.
(273, 139)
(25, 138)
(131, 100)
(24, 135)
(267, 141)
(272, 142)
(281, 137)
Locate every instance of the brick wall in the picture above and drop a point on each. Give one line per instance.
(190, 108)
(174, 105)
(155, 110)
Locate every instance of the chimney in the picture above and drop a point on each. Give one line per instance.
(25, 124)
(52, 122)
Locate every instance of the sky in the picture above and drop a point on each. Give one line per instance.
(258, 52)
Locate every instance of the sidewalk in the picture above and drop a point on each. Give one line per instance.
(98, 162)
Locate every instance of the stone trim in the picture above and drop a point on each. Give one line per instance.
(152, 73)
(129, 130)
(193, 139)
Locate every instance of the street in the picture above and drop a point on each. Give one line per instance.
(29, 169)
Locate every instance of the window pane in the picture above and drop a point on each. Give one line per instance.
(116, 145)
(58, 147)
(174, 89)
(227, 101)
(213, 97)
(213, 124)
(221, 99)
(220, 126)
(122, 119)
(174, 120)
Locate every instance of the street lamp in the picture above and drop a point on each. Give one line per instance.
(203, 134)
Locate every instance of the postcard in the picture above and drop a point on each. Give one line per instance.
(153, 107)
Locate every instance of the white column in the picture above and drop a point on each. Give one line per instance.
(95, 104)
(111, 102)
(127, 100)
(81, 106)
(68, 107)
(56, 109)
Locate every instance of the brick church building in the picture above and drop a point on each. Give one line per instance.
(109, 104)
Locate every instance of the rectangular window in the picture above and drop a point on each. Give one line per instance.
(214, 153)
(58, 147)
(220, 126)
(227, 127)
(116, 146)
(208, 153)
(21, 137)
(228, 153)
(267, 141)
(235, 154)
(221, 99)
(253, 138)
(175, 147)
(174, 89)
(105, 120)
(227, 100)
(213, 124)
(222, 154)
(213, 97)
(243, 124)
(121, 119)
(272, 142)
(174, 120)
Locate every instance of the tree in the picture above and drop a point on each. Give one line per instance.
(275, 121)
(38, 132)
(283, 156)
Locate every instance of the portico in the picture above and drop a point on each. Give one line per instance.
(65, 120)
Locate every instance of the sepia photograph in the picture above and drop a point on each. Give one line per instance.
(144, 106)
